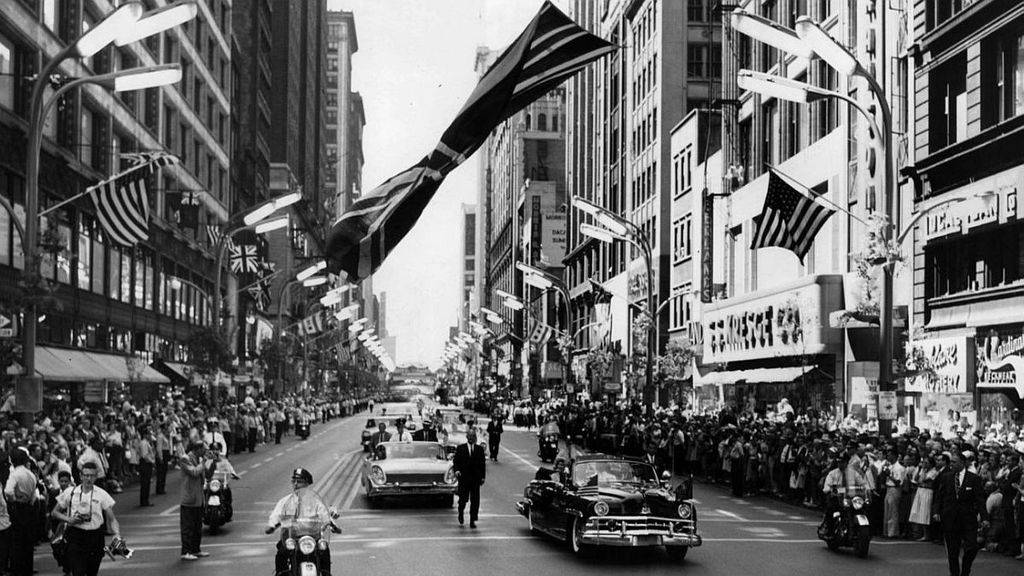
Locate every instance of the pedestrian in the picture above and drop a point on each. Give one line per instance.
(22, 495)
(470, 465)
(252, 425)
(193, 469)
(279, 423)
(959, 500)
(892, 475)
(147, 461)
(163, 459)
(494, 431)
(6, 533)
(86, 509)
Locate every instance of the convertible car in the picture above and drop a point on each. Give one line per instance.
(451, 434)
(391, 420)
(409, 470)
(601, 500)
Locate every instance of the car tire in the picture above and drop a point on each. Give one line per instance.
(572, 537)
(677, 553)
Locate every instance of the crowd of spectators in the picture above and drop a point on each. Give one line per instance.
(787, 454)
(129, 442)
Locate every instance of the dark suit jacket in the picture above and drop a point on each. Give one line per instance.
(959, 512)
(423, 435)
(472, 467)
(378, 437)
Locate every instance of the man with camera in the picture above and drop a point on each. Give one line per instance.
(85, 509)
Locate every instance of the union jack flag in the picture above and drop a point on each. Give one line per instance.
(244, 258)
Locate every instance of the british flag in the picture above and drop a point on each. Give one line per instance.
(244, 259)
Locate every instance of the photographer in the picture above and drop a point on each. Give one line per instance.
(86, 509)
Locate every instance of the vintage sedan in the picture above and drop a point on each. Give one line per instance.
(601, 500)
(409, 470)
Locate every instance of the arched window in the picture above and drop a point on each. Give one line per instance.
(542, 122)
(554, 123)
(528, 121)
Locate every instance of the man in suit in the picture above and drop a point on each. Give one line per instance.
(958, 502)
(494, 431)
(470, 466)
(381, 435)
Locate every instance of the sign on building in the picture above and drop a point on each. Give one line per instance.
(1000, 362)
(952, 361)
(553, 238)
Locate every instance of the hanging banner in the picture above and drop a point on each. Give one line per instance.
(706, 241)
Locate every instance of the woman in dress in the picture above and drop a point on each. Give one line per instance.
(921, 508)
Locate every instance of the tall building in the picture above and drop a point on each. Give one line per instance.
(622, 111)
(345, 119)
(469, 262)
(968, 264)
(143, 301)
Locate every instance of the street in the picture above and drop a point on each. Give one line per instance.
(740, 536)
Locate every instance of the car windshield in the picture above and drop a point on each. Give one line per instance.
(604, 472)
(389, 421)
(393, 451)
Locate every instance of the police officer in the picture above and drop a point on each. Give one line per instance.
(302, 502)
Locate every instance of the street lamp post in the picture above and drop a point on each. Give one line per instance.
(119, 27)
(539, 279)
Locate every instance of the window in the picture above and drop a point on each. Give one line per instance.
(98, 262)
(126, 277)
(826, 111)
(7, 77)
(824, 9)
(695, 59)
(85, 135)
(51, 15)
(695, 10)
(1003, 74)
(947, 103)
(682, 244)
(769, 55)
(680, 308)
(770, 129)
(542, 122)
(990, 259)
(114, 278)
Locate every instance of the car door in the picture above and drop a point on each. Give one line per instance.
(562, 502)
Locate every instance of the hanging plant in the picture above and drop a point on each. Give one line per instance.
(598, 361)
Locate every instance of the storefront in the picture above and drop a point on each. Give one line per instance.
(946, 394)
(772, 344)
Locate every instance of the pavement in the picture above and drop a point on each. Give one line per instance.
(741, 536)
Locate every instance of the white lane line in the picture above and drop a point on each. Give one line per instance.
(268, 459)
(170, 511)
(256, 465)
(729, 514)
(520, 458)
(243, 472)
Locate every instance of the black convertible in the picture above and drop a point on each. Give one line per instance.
(606, 501)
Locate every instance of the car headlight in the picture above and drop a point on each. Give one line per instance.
(322, 544)
(214, 485)
(684, 511)
(449, 476)
(377, 475)
(289, 544)
(307, 544)
(857, 502)
(600, 508)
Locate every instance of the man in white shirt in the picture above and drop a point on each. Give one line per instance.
(893, 491)
(21, 494)
(303, 502)
(403, 434)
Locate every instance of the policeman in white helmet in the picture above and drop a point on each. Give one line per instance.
(302, 503)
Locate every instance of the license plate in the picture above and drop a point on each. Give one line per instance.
(308, 569)
(862, 520)
(213, 501)
(647, 540)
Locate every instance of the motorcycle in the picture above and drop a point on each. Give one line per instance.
(548, 448)
(217, 495)
(846, 522)
(307, 547)
(302, 429)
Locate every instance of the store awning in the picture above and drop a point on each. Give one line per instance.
(66, 365)
(952, 317)
(178, 374)
(754, 376)
(995, 312)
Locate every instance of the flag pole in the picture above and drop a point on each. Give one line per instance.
(264, 279)
(810, 193)
(93, 187)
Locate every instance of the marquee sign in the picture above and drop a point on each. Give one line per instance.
(1000, 362)
(950, 359)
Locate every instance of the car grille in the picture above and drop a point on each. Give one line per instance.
(639, 526)
(415, 478)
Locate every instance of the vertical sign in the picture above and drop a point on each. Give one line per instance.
(706, 264)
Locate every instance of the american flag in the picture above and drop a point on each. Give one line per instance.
(154, 160)
(789, 219)
(551, 50)
(312, 325)
(122, 207)
(244, 258)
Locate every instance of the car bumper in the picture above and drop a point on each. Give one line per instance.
(411, 490)
(637, 531)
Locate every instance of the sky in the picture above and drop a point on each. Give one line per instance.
(414, 70)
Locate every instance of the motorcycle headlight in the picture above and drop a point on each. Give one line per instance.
(307, 544)
(214, 485)
(449, 476)
(289, 544)
(857, 502)
(377, 475)
(600, 508)
(684, 511)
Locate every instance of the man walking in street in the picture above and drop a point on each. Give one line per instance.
(147, 460)
(193, 470)
(494, 432)
(470, 466)
(958, 503)
(252, 425)
(163, 458)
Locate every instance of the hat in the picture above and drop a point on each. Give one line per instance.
(302, 474)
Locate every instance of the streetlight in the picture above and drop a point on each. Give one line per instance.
(119, 27)
(817, 41)
(539, 279)
(156, 21)
(618, 228)
(314, 281)
(513, 304)
(311, 270)
(271, 225)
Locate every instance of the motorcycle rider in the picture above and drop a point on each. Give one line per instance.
(549, 429)
(301, 503)
(842, 480)
(218, 464)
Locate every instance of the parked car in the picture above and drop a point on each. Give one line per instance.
(409, 470)
(599, 500)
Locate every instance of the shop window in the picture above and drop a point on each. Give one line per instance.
(987, 260)
(1002, 69)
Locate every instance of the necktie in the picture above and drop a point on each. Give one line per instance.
(959, 482)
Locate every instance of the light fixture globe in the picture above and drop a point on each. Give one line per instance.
(122, 19)
(771, 33)
(156, 21)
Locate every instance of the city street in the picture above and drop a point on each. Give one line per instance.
(755, 536)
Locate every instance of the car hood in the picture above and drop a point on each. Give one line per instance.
(631, 500)
(414, 465)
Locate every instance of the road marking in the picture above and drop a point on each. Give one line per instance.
(256, 465)
(520, 458)
(243, 472)
(268, 459)
(170, 511)
(729, 514)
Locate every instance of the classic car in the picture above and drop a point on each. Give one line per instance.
(600, 500)
(409, 470)
(391, 420)
(452, 434)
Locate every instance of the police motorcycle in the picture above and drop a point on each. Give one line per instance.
(217, 496)
(308, 547)
(548, 449)
(302, 426)
(846, 522)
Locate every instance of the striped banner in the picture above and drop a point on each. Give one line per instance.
(122, 207)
